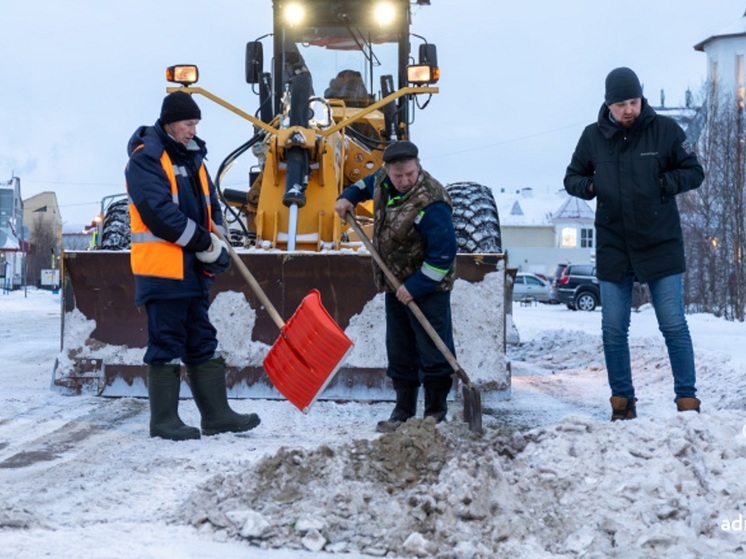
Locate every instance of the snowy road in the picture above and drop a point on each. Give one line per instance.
(79, 476)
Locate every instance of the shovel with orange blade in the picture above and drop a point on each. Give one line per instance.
(310, 348)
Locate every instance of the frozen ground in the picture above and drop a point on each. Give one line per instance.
(551, 477)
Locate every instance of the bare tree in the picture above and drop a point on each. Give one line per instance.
(714, 216)
(46, 246)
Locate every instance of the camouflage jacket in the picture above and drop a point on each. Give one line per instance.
(395, 236)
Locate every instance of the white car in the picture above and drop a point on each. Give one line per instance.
(530, 287)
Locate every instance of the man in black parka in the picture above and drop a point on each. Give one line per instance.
(635, 162)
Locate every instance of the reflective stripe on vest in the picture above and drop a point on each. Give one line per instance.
(152, 256)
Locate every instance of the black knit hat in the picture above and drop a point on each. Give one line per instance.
(622, 84)
(400, 150)
(179, 106)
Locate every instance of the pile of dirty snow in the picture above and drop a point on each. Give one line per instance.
(654, 488)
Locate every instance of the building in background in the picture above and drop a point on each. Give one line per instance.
(77, 236)
(725, 52)
(13, 235)
(43, 208)
(44, 221)
(541, 228)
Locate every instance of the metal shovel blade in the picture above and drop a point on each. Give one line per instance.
(472, 408)
(307, 354)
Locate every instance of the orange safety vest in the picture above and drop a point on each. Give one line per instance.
(151, 255)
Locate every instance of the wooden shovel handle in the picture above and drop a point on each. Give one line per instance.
(249, 277)
(395, 283)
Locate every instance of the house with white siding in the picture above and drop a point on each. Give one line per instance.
(725, 52)
(543, 227)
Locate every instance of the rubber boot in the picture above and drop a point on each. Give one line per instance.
(207, 381)
(623, 408)
(436, 397)
(163, 393)
(688, 404)
(406, 405)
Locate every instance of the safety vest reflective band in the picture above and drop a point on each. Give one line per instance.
(152, 256)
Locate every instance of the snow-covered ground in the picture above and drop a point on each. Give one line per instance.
(551, 477)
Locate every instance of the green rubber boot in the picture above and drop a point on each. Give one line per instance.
(207, 381)
(163, 393)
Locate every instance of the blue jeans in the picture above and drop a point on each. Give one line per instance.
(668, 301)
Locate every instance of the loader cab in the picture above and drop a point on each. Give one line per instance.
(354, 53)
(348, 86)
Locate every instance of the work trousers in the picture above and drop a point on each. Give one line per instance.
(412, 355)
(180, 329)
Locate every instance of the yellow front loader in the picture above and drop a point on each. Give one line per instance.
(341, 84)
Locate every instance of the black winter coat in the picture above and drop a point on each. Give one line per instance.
(635, 173)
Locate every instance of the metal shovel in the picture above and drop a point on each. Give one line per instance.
(472, 397)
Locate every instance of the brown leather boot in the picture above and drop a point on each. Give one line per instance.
(623, 408)
(688, 404)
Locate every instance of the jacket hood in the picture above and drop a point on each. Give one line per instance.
(137, 139)
(609, 128)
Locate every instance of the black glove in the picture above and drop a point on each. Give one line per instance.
(222, 264)
(669, 189)
(216, 259)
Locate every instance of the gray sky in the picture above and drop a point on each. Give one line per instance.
(519, 82)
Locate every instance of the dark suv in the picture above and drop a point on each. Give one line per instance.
(576, 286)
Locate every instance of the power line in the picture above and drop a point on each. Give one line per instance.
(510, 140)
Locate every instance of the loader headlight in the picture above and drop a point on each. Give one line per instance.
(423, 74)
(185, 74)
(384, 13)
(294, 14)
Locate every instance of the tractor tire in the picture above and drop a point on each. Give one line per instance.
(475, 218)
(115, 234)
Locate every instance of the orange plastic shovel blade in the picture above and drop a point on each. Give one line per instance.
(307, 354)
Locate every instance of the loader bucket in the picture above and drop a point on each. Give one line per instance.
(104, 335)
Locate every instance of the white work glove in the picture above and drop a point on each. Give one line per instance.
(213, 253)
(216, 260)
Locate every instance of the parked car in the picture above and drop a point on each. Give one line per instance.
(577, 287)
(554, 296)
(531, 287)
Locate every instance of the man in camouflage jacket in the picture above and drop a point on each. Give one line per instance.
(413, 232)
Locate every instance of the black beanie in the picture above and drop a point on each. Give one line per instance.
(179, 106)
(622, 84)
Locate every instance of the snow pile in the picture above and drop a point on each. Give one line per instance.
(234, 320)
(478, 332)
(551, 478)
(80, 345)
(367, 331)
(655, 488)
(576, 355)
(478, 336)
